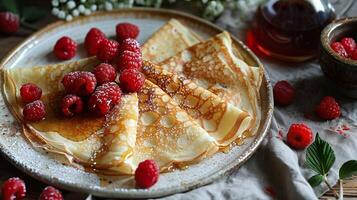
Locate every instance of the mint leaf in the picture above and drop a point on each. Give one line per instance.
(315, 180)
(348, 169)
(320, 156)
(9, 5)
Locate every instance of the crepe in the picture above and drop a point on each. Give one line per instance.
(213, 65)
(78, 137)
(166, 133)
(223, 121)
(174, 37)
(119, 138)
(170, 39)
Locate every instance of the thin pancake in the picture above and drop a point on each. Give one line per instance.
(223, 121)
(166, 133)
(173, 38)
(119, 137)
(213, 66)
(170, 39)
(79, 138)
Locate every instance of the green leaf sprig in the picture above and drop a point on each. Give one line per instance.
(320, 157)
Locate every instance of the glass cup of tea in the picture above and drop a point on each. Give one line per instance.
(289, 30)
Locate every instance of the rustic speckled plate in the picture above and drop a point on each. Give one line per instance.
(36, 50)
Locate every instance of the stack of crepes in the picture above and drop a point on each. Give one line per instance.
(198, 97)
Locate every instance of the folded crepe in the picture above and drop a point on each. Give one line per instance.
(214, 66)
(170, 39)
(222, 120)
(174, 37)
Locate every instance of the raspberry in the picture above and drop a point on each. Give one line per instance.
(13, 189)
(129, 60)
(284, 93)
(126, 30)
(92, 41)
(51, 193)
(65, 48)
(130, 45)
(131, 80)
(349, 44)
(104, 73)
(80, 83)
(104, 98)
(34, 111)
(30, 92)
(147, 174)
(9, 22)
(328, 108)
(71, 105)
(354, 55)
(299, 136)
(339, 49)
(107, 50)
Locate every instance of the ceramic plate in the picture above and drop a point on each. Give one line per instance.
(37, 50)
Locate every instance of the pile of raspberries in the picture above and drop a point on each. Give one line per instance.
(97, 90)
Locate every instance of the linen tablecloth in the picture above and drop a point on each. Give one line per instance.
(275, 170)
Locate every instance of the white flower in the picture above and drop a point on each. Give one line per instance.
(69, 17)
(55, 11)
(75, 12)
(81, 8)
(63, 1)
(61, 14)
(71, 5)
(87, 12)
(55, 3)
(83, 1)
(213, 9)
(93, 7)
(108, 6)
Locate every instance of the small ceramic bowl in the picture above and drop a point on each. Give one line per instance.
(341, 71)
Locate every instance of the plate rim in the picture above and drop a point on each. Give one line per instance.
(142, 193)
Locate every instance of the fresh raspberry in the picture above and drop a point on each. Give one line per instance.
(9, 22)
(130, 45)
(147, 174)
(30, 92)
(299, 136)
(284, 93)
(92, 41)
(71, 105)
(107, 50)
(13, 189)
(34, 111)
(131, 80)
(51, 193)
(104, 98)
(354, 55)
(81, 83)
(328, 108)
(65, 48)
(104, 73)
(349, 44)
(129, 60)
(339, 49)
(126, 30)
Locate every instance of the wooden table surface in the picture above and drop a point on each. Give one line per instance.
(35, 187)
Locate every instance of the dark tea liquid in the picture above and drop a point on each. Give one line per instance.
(288, 29)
